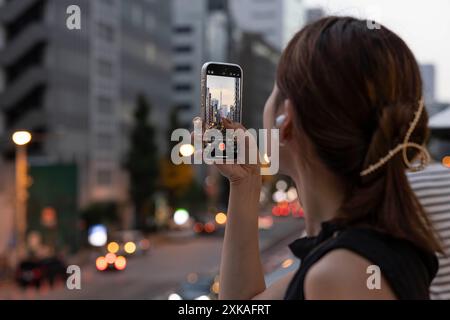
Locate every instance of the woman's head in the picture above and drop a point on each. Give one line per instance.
(351, 93)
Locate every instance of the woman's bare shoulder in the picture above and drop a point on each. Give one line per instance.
(343, 274)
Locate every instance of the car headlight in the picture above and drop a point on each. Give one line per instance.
(203, 297)
(174, 296)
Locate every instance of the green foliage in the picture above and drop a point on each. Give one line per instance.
(100, 213)
(142, 163)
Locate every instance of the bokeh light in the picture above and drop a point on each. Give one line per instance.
(110, 258)
(292, 194)
(198, 227)
(281, 185)
(21, 138)
(181, 216)
(187, 150)
(130, 247)
(97, 235)
(120, 263)
(287, 263)
(209, 227)
(446, 161)
(113, 247)
(101, 264)
(221, 218)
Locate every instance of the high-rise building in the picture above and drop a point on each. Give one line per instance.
(276, 20)
(76, 90)
(201, 32)
(314, 14)
(188, 45)
(428, 73)
(259, 60)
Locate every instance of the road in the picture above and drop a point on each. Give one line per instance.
(156, 274)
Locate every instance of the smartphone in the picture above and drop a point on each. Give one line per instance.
(221, 97)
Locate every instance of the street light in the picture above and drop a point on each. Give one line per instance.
(21, 139)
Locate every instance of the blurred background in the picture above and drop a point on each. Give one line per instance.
(85, 122)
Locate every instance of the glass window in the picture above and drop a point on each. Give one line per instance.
(105, 32)
(183, 87)
(136, 15)
(104, 141)
(150, 23)
(105, 105)
(183, 29)
(105, 68)
(184, 48)
(183, 68)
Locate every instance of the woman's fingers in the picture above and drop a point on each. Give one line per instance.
(228, 124)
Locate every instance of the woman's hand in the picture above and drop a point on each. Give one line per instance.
(238, 173)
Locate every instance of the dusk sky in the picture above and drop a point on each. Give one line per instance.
(226, 84)
(424, 25)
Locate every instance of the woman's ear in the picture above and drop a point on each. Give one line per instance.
(286, 128)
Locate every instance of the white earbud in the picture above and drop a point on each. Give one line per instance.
(279, 121)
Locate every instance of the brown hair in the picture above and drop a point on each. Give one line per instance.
(355, 91)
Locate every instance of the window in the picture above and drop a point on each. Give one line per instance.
(108, 2)
(181, 49)
(183, 29)
(105, 105)
(105, 32)
(182, 87)
(104, 141)
(104, 177)
(183, 68)
(150, 23)
(136, 15)
(105, 68)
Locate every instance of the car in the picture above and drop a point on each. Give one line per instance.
(34, 272)
(128, 242)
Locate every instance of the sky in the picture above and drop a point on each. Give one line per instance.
(226, 84)
(423, 24)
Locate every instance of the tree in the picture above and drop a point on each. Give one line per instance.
(142, 163)
(175, 179)
(100, 213)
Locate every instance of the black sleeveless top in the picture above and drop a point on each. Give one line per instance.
(408, 269)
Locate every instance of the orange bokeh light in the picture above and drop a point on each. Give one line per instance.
(446, 161)
(120, 263)
(101, 263)
(209, 227)
(198, 227)
(110, 258)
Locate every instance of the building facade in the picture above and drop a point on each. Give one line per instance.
(276, 20)
(76, 90)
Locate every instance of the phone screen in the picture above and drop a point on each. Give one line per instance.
(222, 95)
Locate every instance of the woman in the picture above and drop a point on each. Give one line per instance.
(348, 104)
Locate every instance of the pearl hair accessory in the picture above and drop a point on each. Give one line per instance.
(424, 155)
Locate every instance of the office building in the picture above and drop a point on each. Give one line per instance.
(276, 20)
(76, 90)
(428, 73)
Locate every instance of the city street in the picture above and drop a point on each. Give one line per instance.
(157, 274)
